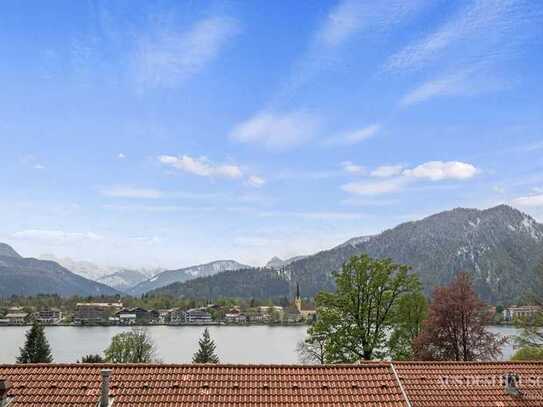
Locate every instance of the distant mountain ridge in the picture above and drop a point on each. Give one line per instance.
(499, 247)
(124, 279)
(184, 274)
(130, 277)
(29, 276)
(7, 251)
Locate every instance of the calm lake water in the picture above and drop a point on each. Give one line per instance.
(252, 344)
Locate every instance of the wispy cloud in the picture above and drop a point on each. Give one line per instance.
(477, 29)
(168, 58)
(351, 17)
(352, 168)
(345, 22)
(385, 171)
(352, 137)
(127, 191)
(56, 236)
(373, 188)
(464, 83)
(201, 166)
(30, 160)
(158, 208)
(531, 147)
(529, 201)
(256, 181)
(317, 215)
(276, 131)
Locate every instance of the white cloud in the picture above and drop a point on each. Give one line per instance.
(55, 236)
(121, 156)
(169, 58)
(354, 136)
(256, 181)
(440, 170)
(385, 171)
(352, 168)
(372, 188)
(122, 191)
(276, 131)
(398, 179)
(201, 166)
(530, 201)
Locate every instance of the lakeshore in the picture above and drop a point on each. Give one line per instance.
(176, 344)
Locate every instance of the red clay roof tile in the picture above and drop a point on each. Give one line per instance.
(426, 384)
(461, 384)
(205, 385)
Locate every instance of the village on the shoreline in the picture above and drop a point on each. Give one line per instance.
(116, 314)
(298, 312)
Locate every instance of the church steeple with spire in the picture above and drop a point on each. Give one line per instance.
(298, 299)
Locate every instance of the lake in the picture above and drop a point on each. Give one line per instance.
(176, 344)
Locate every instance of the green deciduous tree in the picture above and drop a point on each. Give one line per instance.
(529, 353)
(36, 348)
(410, 313)
(531, 335)
(355, 319)
(135, 346)
(206, 350)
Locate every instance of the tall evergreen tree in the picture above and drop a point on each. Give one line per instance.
(206, 352)
(36, 349)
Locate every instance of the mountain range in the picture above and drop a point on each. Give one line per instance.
(120, 278)
(29, 276)
(184, 274)
(499, 247)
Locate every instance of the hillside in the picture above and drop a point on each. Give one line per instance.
(28, 276)
(7, 251)
(188, 273)
(277, 263)
(243, 283)
(500, 247)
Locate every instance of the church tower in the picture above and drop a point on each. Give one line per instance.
(298, 299)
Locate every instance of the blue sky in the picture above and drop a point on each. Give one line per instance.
(168, 133)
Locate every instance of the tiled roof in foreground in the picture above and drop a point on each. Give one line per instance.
(78, 385)
(470, 384)
(423, 384)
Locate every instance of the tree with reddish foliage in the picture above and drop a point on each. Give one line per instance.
(456, 326)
